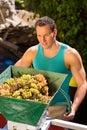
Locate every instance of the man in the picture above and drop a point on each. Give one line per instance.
(52, 55)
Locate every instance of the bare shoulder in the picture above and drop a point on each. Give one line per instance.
(72, 56)
(30, 53)
(72, 52)
(32, 49)
(27, 58)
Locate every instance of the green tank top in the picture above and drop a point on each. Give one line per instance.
(54, 64)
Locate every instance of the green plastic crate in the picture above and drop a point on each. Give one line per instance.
(23, 111)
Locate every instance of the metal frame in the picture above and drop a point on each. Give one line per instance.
(61, 123)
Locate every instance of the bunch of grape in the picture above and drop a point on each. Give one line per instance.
(29, 87)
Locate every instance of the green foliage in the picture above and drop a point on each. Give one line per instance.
(70, 17)
(21, 2)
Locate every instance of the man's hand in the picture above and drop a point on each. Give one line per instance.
(70, 116)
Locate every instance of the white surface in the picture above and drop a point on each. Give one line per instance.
(19, 126)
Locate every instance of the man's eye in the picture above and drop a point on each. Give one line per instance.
(47, 35)
(38, 35)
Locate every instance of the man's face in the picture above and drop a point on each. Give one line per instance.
(45, 36)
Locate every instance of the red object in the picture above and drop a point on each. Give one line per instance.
(53, 127)
(3, 121)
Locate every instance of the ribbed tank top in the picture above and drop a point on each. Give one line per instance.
(54, 64)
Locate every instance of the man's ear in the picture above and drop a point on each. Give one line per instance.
(55, 32)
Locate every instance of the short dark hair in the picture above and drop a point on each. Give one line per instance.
(46, 21)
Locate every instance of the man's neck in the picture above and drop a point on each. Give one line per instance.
(52, 51)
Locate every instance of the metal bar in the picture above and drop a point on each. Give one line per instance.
(67, 124)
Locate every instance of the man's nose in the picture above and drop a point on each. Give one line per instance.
(43, 38)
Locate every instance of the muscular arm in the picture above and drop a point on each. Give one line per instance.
(74, 63)
(28, 57)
